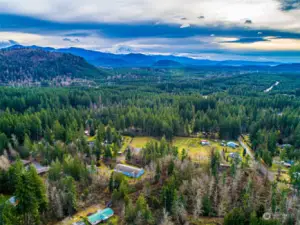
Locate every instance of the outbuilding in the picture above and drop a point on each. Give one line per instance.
(129, 171)
(232, 144)
(100, 216)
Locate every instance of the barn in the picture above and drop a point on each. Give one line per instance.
(129, 171)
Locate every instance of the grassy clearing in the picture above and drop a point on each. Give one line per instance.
(126, 142)
(201, 153)
(207, 221)
(192, 144)
(91, 138)
(195, 150)
(140, 142)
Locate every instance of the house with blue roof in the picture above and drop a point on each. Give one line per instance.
(100, 216)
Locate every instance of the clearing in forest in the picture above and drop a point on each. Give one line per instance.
(140, 142)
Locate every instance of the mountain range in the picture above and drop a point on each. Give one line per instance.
(104, 59)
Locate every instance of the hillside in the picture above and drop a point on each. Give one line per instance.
(167, 64)
(34, 64)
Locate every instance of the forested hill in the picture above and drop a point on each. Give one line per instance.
(32, 65)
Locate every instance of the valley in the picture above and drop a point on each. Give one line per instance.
(161, 144)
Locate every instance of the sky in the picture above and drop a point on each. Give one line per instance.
(256, 30)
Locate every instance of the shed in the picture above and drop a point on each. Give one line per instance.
(129, 171)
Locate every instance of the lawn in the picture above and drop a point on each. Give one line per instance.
(192, 144)
(140, 142)
(195, 150)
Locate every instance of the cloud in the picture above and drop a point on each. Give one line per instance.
(76, 40)
(275, 44)
(267, 13)
(287, 5)
(157, 26)
(247, 40)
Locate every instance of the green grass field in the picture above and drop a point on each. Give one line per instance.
(192, 144)
(91, 138)
(195, 150)
(140, 142)
(198, 152)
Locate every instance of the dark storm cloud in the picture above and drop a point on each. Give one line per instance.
(287, 5)
(134, 30)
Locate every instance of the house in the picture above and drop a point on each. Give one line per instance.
(129, 171)
(232, 144)
(204, 142)
(100, 216)
(39, 168)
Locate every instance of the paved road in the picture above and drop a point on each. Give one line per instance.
(261, 167)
